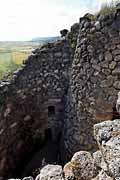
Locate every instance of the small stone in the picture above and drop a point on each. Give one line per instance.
(28, 178)
(110, 80)
(7, 111)
(56, 71)
(106, 71)
(112, 65)
(101, 56)
(59, 89)
(58, 54)
(86, 25)
(13, 125)
(116, 52)
(27, 118)
(83, 41)
(112, 46)
(116, 71)
(118, 46)
(116, 40)
(117, 85)
(39, 82)
(104, 64)
(66, 60)
(93, 30)
(104, 84)
(96, 67)
(1, 131)
(117, 58)
(108, 56)
(90, 49)
(97, 25)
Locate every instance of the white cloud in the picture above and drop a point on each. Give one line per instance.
(26, 19)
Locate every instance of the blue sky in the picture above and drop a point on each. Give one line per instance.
(26, 19)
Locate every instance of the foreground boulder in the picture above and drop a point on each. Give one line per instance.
(81, 167)
(108, 138)
(51, 172)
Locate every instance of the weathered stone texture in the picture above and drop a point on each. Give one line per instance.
(40, 84)
(51, 172)
(108, 138)
(94, 82)
(79, 92)
(81, 167)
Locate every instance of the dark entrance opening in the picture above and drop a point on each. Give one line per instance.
(50, 150)
(51, 111)
(48, 134)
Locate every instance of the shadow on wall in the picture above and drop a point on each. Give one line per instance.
(49, 153)
(48, 135)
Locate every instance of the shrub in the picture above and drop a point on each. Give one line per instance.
(108, 8)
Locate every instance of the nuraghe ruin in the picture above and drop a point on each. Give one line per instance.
(60, 92)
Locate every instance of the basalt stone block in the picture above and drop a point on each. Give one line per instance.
(116, 71)
(116, 52)
(117, 58)
(51, 172)
(80, 167)
(107, 135)
(108, 56)
(117, 85)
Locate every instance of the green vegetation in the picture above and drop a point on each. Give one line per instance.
(73, 45)
(12, 55)
(108, 8)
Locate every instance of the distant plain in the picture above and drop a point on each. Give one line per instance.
(12, 55)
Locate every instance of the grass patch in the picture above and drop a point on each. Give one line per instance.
(18, 57)
(6, 69)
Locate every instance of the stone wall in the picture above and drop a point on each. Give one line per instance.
(95, 81)
(32, 102)
(66, 87)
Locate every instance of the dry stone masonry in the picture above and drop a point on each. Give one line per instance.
(95, 80)
(32, 104)
(61, 91)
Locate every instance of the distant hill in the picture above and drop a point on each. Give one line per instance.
(45, 39)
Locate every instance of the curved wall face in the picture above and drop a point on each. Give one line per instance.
(95, 81)
(32, 103)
